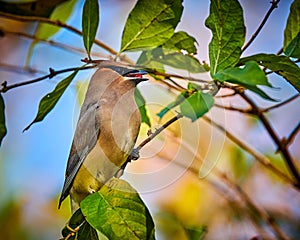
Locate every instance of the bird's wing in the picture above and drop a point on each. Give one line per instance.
(85, 138)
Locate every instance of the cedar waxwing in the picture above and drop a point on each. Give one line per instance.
(106, 130)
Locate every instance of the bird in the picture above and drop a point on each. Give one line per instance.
(106, 131)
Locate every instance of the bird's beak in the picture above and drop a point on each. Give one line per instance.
(136, 76)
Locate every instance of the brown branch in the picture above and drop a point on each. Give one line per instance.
(55, 23)
(146, 141)
(19, 69)
(281, 104)
(230, 108)
(279, 51)
(274, 4)
(292, 135)
(177, 85)
(257, 211)
(167, 75)
(254, 210)
(258, 156)
(281, 147)
(52, 73)
(159, 130)
(226, 95)
(51, 42)
(169, 85)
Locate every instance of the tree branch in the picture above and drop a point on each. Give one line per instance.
(253, 210)
(281, 147)
(257, 211)
(281, 104)
(226, 95)
(274, 4)
(258, 156)
(292, 135)
(52, 73)
(19, 69)
(58, 24)
(51, 42)
(230, 108)
(149, 139)
(159, 130)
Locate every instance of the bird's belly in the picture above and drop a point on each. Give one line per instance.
(96, 169)
(109, 154)
(100, 165)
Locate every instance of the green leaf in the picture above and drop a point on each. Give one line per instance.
(3, 129)
(177, 52)
(240, 165)
(281, 65)
(90, 21)
(61, 13)
(145, 60)
(40, 8)
(181, 41)
(81, 89)
(181, 61)
(196, 105)
(227, 25)
(118, 212)
(195, 233)
(250, 74)
(85, 230)
(49, 101)
(171, 227)
(293, 49)
(249, 77)
(180, 98)
(45, 31)
(259, 92)
(141, 103)
(291, 45)
(150, 24)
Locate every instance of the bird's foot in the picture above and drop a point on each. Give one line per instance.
(134, 155)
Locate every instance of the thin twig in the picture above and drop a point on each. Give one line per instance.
(159, 130)
(230, 108)
(55, 23)
(274, 4)
(257, 211)
(167, 75)
(254, 210)
(52, 73)
(169, 85)
(292, 135)
(226, 95)
(52, 43)
(281, 147)
(258, 156)
(279, 51)
(19, 69)
(147, 140)
(177, 85)
(281, 104)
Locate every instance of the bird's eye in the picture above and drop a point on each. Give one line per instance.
(134, 75)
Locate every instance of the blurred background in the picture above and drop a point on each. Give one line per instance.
(184, 204)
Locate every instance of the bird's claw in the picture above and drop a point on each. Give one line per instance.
(134, 155)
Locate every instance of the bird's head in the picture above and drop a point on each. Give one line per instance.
(127, 72)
